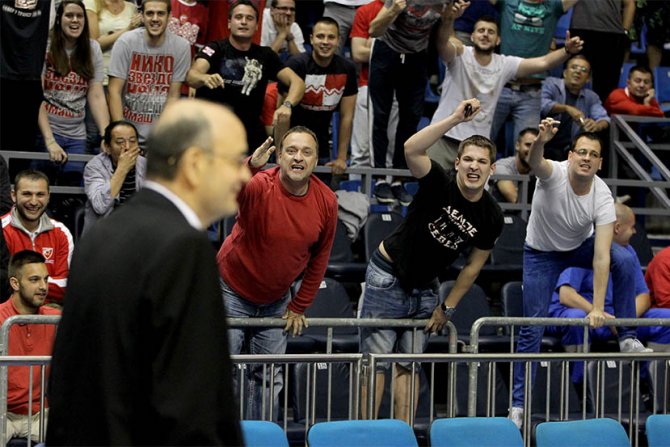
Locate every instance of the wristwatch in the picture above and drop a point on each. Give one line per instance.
(288, 104)
(448, 311)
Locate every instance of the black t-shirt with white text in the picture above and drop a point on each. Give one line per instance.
(440, 224)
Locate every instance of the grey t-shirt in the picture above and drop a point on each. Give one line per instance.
(601, 15)
(65, 97)
(148, 71)
(410, 31)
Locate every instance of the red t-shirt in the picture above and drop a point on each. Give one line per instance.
(364, 15)
(658, 279)
(619, 102)
(26, 339)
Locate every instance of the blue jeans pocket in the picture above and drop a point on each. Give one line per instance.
(377, 278)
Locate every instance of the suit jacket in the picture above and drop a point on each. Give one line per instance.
(141, 355)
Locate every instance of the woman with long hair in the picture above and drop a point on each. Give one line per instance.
(72, 77)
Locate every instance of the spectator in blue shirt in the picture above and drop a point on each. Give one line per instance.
(577, 108)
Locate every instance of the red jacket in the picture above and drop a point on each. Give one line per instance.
(619, 102)
(53, 240)
(26, 339)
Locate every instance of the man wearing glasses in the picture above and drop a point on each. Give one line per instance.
(280, 30)
(569, 202)
(577, 108)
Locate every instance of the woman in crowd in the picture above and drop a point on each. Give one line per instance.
(72, 77)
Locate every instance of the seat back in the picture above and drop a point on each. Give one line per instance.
(511, 295)
(470, 431)
(554, 395)
(331, 301)
(377, 227)
(263, 434)
(662, 80)
(369, 433)
(658, 430)
(310, 390)
(640, 242)
(473, 305)
(589, 432)
(492, 398)
(341, 251)
(508, 249)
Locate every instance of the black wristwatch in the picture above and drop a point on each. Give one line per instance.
(448, 311)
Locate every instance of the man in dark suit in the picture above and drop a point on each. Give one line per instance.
(141, 355)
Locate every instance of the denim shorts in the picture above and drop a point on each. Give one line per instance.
(384, 298)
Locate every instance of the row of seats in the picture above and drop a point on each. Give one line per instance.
(459, 432)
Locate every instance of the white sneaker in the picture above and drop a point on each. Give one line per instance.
(516, 416)
(633, 345)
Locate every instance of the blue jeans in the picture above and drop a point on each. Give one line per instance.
(70, 173)
(384, 298)
(540, 273)
(655, 334)
(256, 341)
(524, 109)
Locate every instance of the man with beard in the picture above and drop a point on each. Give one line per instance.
(477, 72)
(27, 227)
(571, 225)
(508, 190)
(577, 108)
(28, 277)
(637, 98)
(235, 72)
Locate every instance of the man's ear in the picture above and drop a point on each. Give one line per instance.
(14, 283)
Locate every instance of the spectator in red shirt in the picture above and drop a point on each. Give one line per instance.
(637, 98)
(28, 277)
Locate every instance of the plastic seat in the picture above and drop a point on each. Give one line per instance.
(623, 78)
(378, 226)
(263, 434)
(662, 78)
(467, 432)
(337, 401)
(369, 433)
(640, 242)
(341, 265)
(586, 433)
(658, 430)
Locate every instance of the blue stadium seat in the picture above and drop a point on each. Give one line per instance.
(662, 77)
(466, 432)
(623, 77)
(370, 433)
(263, 434)
(658, 430)
(589, 432)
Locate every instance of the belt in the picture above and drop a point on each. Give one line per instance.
(517, 87)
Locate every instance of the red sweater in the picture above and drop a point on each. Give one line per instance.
(619, 102)
(277, 237)
(26, 339)
(658, 279)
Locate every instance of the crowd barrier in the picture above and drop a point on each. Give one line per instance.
(317, 391)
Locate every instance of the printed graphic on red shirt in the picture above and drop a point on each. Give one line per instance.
(323, 92)
(147, 86)
(183, 27)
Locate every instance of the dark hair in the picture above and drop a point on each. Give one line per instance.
(479, 141)
(81, 60)
(327, 21)
(523, 133)
(21, 258)
(589, 136)
(167, 2)
(577, 56)
(167, 143)
(488, 19)
(30, 174)
(642, 69)
(299, 129)
(237, 3)
(107, 138)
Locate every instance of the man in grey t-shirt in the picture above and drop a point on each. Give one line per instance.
(508, 190)
(147, 68)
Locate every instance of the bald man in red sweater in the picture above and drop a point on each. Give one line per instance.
(285, 227)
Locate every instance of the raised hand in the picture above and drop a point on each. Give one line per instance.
(573, 45)
(262, 154)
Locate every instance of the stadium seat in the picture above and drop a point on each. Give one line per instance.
(341, 265)
(263, 434)
(369, 433)
(378, 226)
(640, 242)
(623, 77)
(658, 430)
(317, 376)
(469, 431)
(583, 433)
(662, 77)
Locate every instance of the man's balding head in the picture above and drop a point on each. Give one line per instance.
(196, 148)
(624, 227)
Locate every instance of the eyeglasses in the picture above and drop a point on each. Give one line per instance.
(584, 152)
(284, 8)
(578, 68)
